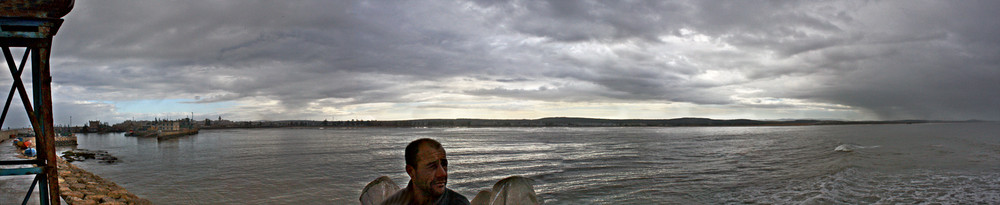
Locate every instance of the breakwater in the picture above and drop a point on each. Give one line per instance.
(9, 133)
(78, 186)
(59, 140)
(176, 133)
(163, 134)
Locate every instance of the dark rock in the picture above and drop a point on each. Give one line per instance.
(95, 197)
(72, 194)
(84, 154)
(85, 202)
(118, 194)
(142, 202)
(71, 199)
(77, 186)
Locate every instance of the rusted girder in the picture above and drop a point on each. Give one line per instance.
(31, 24)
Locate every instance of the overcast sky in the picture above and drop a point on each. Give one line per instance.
(389, 60)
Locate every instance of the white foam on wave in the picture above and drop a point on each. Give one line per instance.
(852, 147)
(843, 148)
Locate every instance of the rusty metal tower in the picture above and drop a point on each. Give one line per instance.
(31, 24)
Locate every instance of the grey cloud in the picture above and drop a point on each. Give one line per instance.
(562, 94)
(893, 59)
(288, 50)
(914, 84)
(773, 25)
(588, 20)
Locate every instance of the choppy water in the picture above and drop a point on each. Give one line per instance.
(859, 164)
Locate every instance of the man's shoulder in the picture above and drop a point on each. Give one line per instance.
(403, 197)
(456, 198)
(399, 198)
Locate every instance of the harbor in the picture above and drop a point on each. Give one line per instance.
(584, 102)
(765, 165)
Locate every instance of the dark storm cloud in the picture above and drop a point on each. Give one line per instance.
(935, 60)
(294, 52)
(921, 82)
(928, 60)
(767, 26)
(944, 65)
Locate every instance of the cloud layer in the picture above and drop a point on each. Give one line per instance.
(268, 60)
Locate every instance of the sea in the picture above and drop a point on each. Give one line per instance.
(934, 163)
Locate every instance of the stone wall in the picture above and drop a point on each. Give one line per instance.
(8, 134)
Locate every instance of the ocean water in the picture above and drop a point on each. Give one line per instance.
(844, 164)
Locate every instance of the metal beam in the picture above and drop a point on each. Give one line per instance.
(20, 162)
(19, 85)
(42, 82)
(10, 96)
(21, 171)
(35, 35)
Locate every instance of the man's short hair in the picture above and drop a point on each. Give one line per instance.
(413, 147)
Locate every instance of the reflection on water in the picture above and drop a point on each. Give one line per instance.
(704, 165)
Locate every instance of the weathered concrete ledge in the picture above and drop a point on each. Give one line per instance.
(78, 186)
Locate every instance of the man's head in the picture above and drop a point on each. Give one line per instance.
(427, 166)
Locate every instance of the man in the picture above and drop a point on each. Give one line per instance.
(428, 169)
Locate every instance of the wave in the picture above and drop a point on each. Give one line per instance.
(868, 186)
(852, 147)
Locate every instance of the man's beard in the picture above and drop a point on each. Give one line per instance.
(431, 188)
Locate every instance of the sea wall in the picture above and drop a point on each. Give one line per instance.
(177, 133)
(66, 141)
(8, 134)
(78, 186)
(60, 140)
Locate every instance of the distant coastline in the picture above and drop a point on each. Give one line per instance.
(220, 123)
(557, 122)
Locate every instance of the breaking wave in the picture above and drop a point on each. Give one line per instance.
(852, 147)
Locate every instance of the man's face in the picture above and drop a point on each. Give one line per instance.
(431, 172)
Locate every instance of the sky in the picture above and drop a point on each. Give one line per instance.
(116, 60)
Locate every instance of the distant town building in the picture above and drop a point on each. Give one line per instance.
(175, 125)
(219, 123)
(94, 126)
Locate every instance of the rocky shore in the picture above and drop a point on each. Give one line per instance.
(78, 186)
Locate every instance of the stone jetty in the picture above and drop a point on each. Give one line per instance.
(78, 186)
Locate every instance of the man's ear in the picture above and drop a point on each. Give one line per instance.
(410, 170)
